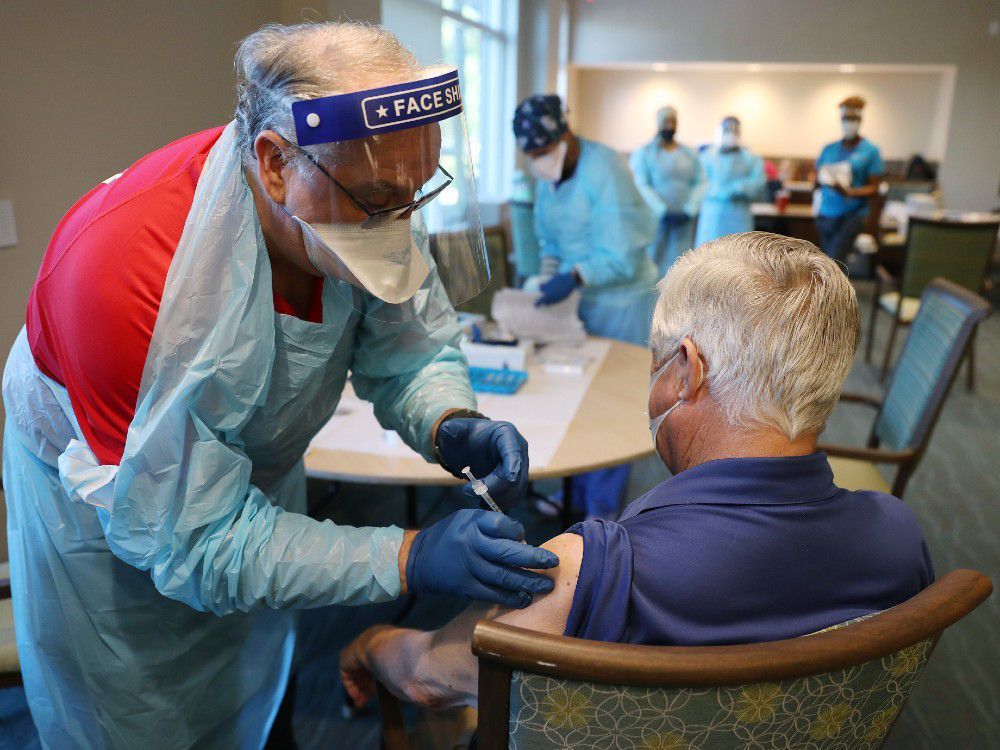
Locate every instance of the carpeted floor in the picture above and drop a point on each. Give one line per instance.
(955, 493)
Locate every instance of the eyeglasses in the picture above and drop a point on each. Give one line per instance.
(379, 216)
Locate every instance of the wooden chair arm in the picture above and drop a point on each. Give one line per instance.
(391, 712)
(876, 455)
(925, 615)
(862, 398)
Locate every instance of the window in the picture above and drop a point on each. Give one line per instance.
(479, 37)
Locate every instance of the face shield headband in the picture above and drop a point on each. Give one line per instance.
(399, 149)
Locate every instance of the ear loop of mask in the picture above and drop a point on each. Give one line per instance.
(656, 422)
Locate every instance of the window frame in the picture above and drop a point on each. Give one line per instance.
(495, 170)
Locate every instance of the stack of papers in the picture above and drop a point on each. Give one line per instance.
(516, 315)
(835, 174)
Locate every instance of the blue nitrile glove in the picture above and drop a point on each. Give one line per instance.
(495, 451)
(558, 288)
(475, 554)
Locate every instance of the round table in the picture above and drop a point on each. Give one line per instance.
(609, 428)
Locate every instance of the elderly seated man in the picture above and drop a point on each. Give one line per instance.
(750, 539)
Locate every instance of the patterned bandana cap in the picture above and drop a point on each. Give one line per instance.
(538, 121)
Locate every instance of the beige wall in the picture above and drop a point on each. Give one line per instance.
(850, 31)
(784, 113)
(88, 87)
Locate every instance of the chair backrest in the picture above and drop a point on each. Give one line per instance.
(899, 189)
(840, 688)
(523, 239)
(496, 252)
(926, 368)
(958, 251)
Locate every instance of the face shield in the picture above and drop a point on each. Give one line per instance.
(727, 134)
(391, 215)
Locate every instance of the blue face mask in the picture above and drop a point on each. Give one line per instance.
(655, 422)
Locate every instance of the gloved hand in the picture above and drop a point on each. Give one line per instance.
(474, 554)
(495, 451)
(558, 288)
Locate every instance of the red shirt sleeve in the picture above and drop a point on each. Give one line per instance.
(93, 307)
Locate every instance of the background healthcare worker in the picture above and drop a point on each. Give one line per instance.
(669, 176)
(734, 177)
(191, 328)
(843, 207)
(593, 228)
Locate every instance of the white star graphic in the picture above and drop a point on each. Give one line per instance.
(382, 111)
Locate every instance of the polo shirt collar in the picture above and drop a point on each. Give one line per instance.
(744, 481)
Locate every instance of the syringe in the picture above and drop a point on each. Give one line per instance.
(479, 487)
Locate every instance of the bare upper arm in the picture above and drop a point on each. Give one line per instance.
(548, 613)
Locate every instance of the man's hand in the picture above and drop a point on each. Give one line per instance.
(495, 451)
(354, 665)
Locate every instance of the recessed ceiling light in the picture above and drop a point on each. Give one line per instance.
(753, 68)
(660, 67)
(847, 68)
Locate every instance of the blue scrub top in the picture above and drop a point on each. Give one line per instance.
(745, 550)
(866, 162)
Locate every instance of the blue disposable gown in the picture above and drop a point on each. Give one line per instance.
(733, 180)
(672, 182)
(597, 222)
(154, 600)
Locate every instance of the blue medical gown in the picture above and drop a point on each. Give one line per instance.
(672, 183)
(154, 600)
(733, 180)
(597, 222)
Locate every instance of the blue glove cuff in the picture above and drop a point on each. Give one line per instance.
(412, 579)
(436, 447)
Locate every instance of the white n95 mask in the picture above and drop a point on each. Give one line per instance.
(729, 139)
(549, 167)
(383, 260)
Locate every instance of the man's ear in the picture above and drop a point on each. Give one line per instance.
(693, 369)
(271, 162)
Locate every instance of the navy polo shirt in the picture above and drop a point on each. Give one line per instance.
(745, 550)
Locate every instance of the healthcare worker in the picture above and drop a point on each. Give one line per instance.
(593, 228)
(849, 173)
(191, 329)
(734, 178)
(669, 176)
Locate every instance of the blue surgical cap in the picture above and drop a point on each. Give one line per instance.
(539, 121)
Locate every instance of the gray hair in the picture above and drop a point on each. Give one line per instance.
(776, 320)
(277, 65)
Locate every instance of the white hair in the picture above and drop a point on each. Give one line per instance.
(776, 320)
(277, 65)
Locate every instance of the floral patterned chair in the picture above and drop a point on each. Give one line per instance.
(841, 688)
